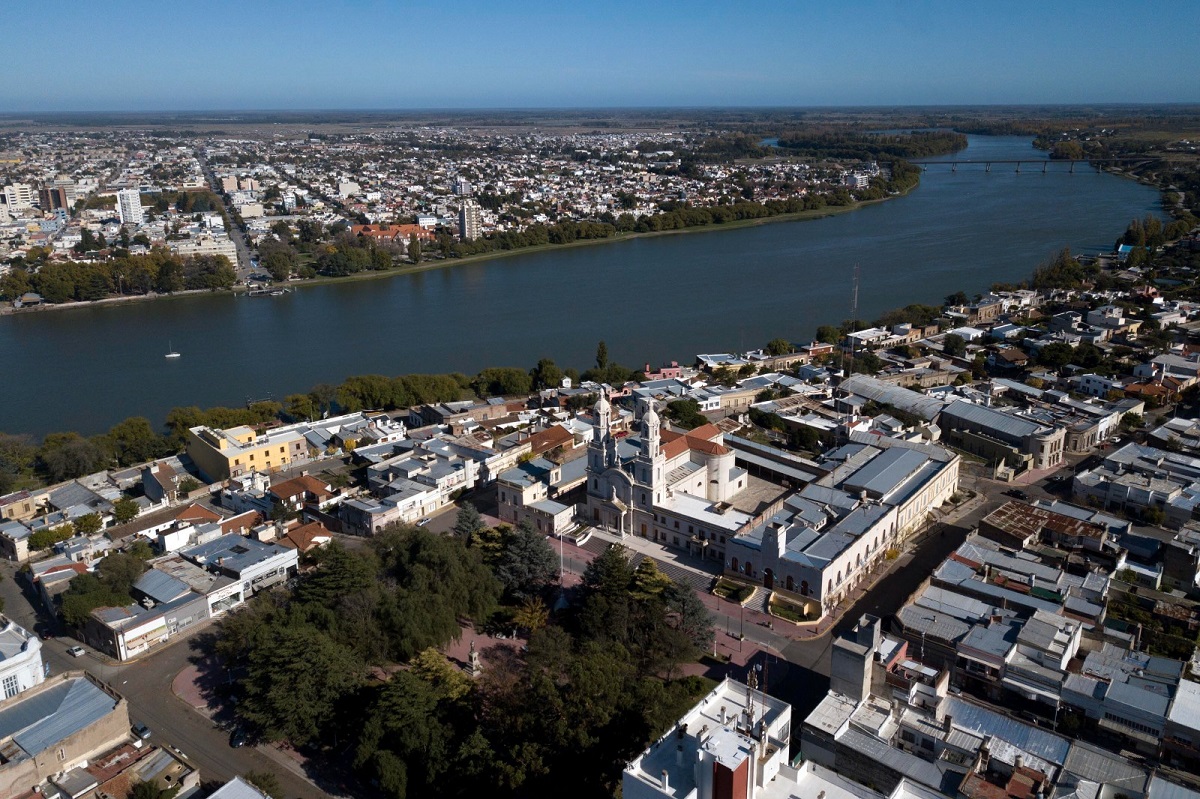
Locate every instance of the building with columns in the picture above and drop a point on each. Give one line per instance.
(677, 488)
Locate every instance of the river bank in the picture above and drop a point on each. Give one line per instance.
(446, 263)
(652, 299)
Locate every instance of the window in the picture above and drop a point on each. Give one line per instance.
(11, 687)
(907, 737)
(722, 539)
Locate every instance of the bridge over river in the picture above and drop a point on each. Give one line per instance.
(1096, 163)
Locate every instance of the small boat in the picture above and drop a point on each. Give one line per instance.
(171, 353)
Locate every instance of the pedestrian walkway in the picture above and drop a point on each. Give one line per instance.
(681, 566)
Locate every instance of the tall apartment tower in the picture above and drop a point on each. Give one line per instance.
(18, 196)
(129, 207)
(59, 194)
(468, 221)
(462, 187)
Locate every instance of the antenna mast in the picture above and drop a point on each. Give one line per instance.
(853, 319)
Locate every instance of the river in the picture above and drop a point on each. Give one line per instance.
(650, 299)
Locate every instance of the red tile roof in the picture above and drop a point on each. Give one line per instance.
(197, 513)
(305, 537)
(702, 439)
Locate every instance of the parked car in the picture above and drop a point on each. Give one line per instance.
(76, 651)
(141, 731)
(425, 521)
(238, 738)
(1017, 493)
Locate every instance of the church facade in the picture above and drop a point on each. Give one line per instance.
(668, 486)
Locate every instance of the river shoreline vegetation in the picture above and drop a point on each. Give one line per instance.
(316, 250)
(25, 462)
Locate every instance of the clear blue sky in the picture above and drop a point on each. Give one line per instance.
(269, 54)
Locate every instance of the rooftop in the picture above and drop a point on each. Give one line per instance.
(38, 719)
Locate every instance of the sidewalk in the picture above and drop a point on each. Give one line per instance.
(706, 569)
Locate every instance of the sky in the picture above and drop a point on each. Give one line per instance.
(147, 55)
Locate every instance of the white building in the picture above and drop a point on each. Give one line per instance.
(675, 488)
(18, 196)
(839, 528)
(469, 226)
(734, 743)
(129, 207)
(206, 245)
(20, 659)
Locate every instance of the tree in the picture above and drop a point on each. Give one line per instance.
(527, 564)
(1132, 421)
(447, 681)
(89, 524)
(297, 679)
(468, 523)
(48, 537)
(686, 413)
(502, 381)
(1056, 355)
(65, 456)
(778, 346)
(689, 615)
(546, 374)
(601, 355)
(17, 455)
(829, 334)
(150, 790)
(954, 345)
(532, 615)
(265, 781)
(414, 248)
(866, 363)
(135, 441)
(957, 298)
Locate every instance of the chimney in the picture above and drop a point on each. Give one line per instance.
(947, 723)
(666, 783)
(722, 716)
(679, 754)
(1018, 762)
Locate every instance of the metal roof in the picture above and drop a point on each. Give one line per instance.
(1004, 425)
(1092, 763)
(921, 405)
(38, 722)
(161, 587)
(1145, 700)
(1034, 740)
(884, 473)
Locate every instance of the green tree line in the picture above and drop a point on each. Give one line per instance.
(159, 271)
(845, 145)
(68, 455)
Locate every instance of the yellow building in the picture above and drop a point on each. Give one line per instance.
(222, 454)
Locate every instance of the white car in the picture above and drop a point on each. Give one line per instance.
(425, 521)
(76, 651)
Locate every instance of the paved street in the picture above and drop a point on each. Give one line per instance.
(796, 658)
(146, 685)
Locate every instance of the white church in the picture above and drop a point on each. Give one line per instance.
(672, 487)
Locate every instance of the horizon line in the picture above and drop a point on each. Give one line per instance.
(581, 108)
